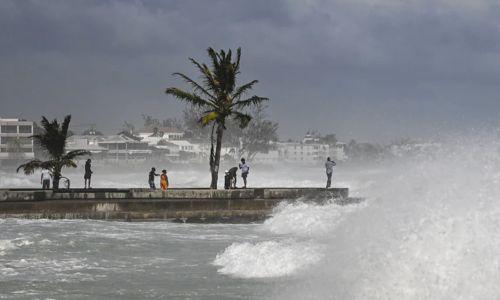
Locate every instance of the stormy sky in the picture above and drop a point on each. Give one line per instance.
(369, 70)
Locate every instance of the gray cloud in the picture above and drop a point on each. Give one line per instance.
(364, 69)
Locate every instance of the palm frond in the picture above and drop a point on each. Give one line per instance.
(30, 167)
(53, 139)
(208, 78)
(195, 85)
(45, 123)
(237, 62)
(254, 100)
(214, 57)
(208, 118)
(243, 89)
(33, 165)
(65, 125)
(75, 153)
(188, 97)
(68, 163)
(243, 119)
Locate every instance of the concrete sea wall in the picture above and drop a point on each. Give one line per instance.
(181, 205)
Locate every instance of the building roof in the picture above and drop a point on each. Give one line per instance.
(116, 139)
(129, 135)
(181, 143)
(166, 143)
(14, 120)
(90, 147)
(85, 137)
(151, 130)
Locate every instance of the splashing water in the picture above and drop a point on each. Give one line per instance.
(267, 259)
(430, 229)
(276, 258)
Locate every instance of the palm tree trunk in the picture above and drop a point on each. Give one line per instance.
(214, 166)
(56, 178)
(55, 182)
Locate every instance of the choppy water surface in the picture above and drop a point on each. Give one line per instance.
(430, 229)
(71, 259)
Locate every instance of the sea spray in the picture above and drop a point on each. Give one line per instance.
(431, 232)
(267, 259)
(6, 245)
(308, 219)
(285, 256)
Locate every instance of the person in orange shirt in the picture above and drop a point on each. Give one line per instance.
(164, 180)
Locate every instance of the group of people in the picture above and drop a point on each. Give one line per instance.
(163, 179)
(46, 176)
(230, 175)
(229, 178)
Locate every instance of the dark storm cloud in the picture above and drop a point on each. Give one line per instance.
(363, 69)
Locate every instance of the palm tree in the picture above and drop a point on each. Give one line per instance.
(220, 98)
(53, 141)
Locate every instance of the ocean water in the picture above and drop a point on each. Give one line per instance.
(429, 229)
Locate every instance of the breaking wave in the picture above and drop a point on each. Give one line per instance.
(6, 245)
(430, 231)
(267, 259)
(297, 223)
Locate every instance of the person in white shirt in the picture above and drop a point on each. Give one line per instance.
(244, 172)
(45, 179)
(329, 171)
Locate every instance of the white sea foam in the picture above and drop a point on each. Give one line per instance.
(23, 242)
(308, 219)
(267, 259)
(15, 180)
(45, 242)
(6, 245)
(431, 231)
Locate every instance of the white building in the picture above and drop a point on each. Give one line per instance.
(125, 147)
(86, 142)
(15, 141)
(303, 152)
(155, 134)
(309, 150)
(271, 156)
(338, 152)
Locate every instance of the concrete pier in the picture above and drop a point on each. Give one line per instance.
(180, 205)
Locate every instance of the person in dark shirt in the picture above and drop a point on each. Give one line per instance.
(151, 180)
(230, 178)
(329, 171)
(88, 173)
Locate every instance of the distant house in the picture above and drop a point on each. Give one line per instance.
(302, 152)
(309, 150)
(271, 156)
(338, 152)
(15, 141)
(185, 146)
(123, 146)
(87, 142)
(153, 135)
(167, 150)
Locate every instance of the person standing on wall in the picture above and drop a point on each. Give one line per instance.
(329, 171)
(45, 179)
(163, 180)
(88, 172)
(151, 179)
(244, 172)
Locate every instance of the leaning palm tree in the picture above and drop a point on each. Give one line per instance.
(53, 141)
(220, 98)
